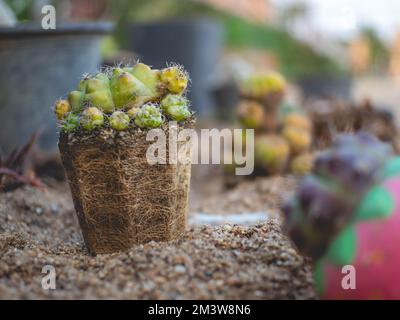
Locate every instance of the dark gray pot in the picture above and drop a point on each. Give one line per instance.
(37, 67)
(194, 43)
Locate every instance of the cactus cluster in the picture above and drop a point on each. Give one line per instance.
(261, 85)
(327, 199)
(125, 97)
(283, 133)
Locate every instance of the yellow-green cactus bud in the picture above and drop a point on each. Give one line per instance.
(91, 118)
(297, 120)
(101, 99)
(251, 114)
(61, 108)
(70, 122)
(271, 153)
(299, 139)
(75, 99)
(149, 116)
(119, 120)
(302, 164)
(174, 79)
(175, 107)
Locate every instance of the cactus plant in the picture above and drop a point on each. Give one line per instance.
(75, 99)
(271, 153)
(259, 86)
(142, 93)
(297, 120)
(262, 109)
(92, 118)
(70, 122)
(327, 198)
(175, 107)
(121, 198)
(346, 213)
(149, 116)
(302, 164)
(175, 79)
(61, 108)
(119, 120)
(251, 114)
(132, 112)
(298, 139)
(98, 93)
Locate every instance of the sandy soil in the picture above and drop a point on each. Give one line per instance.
(226, 262)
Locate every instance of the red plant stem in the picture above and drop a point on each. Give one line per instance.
(20, 178)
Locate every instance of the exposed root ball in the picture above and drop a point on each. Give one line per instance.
(121, 199)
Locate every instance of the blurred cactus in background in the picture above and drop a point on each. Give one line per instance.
(283, 132)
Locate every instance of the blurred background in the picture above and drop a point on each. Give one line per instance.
(332, 53)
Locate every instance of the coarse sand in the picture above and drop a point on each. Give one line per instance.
(39, 228)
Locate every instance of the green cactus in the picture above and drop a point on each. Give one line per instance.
(251, 114)
(132, 112)
(61, 108)
(91, 118)
(174, 79)
(126, 89)
(297, 120)
(149, 116)
(258, 86)
(301, 164)
(176, 107)
(119, 120)
(150, 78)
(298, 138)
(138, 93)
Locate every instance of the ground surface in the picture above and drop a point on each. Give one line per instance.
(226, 262)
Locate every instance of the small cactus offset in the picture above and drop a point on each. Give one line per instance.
(271, 153)
(251, 114)
(327, 199)
(126, 97)
(260, 86)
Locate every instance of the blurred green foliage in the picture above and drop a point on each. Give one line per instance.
(379, 52)
(296, 59)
